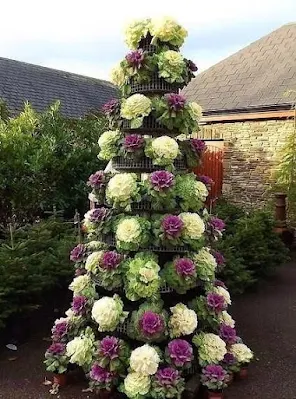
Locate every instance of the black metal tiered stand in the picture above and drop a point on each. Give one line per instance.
(152, 128)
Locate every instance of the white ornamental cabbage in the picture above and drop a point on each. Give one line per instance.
(144, 360)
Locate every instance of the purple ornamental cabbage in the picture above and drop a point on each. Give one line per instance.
(109, 347)
(216, 224)
(219, 283)
(97, 180)
(135, 58)
(110, 260)
(98, 215)
(180, 352)
(110, 106)
(57, 348)
(207, 180)
(229, 359)
(198, 145)
(79, 304)
(215, 302)
(59, 330)
(100, 374)
(133, 142)
(167, 377)
(80, 272)
(219, 258)
(176, 102)
(151, 323)
(77, 254)
(172, 226)
(213, 373)
(227, 333)
(162, 180)
(185, 267)
(192, 66)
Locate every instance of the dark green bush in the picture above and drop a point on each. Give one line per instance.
(45, 160)
(33, 261)
(252, 249)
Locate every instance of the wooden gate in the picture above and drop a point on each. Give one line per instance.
(212, 166)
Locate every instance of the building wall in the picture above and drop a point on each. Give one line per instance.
(251, 155)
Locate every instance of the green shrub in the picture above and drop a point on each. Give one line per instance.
(45, 160)
(34, 260)
(251, 248)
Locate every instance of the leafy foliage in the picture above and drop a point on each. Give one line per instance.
(285, 175)
(251, 247)
(45, 160)
(33, 260)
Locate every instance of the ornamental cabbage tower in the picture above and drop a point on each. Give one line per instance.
(147, 313)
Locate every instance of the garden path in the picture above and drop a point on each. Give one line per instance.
(266, 318)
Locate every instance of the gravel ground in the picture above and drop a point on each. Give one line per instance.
(266, 320)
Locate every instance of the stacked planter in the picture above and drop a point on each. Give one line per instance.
(148, 317)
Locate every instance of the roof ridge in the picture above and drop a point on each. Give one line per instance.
(257, 74)
(61, 71)
(246, 47)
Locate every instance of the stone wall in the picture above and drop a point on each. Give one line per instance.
(251, 155)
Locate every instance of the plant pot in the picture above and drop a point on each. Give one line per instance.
(215, 395)
(60, 379)
(243, 373)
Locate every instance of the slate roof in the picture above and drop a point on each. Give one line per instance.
(255, 77)
(42, 86)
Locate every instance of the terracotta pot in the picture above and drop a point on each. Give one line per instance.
(60, 379)
(243, 373)
(215, 395)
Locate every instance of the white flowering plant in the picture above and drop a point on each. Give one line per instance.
(173, 111)
(206, 264)
(163, 31)
(171, 66)
(162, 150)
(211, 348)
(108, 313)
(145, 359)
(81, 349)
(136, 385)
(167, 30)
(242, 353)
(183, 321)
(193, 230)
(190, 192)
(136, 31)
(142, 279)
(83, 285)
(131, 233)
(122, 190)
(108, 143)
(135, 108)
(148, 323)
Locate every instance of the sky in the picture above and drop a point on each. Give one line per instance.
(86, 37)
